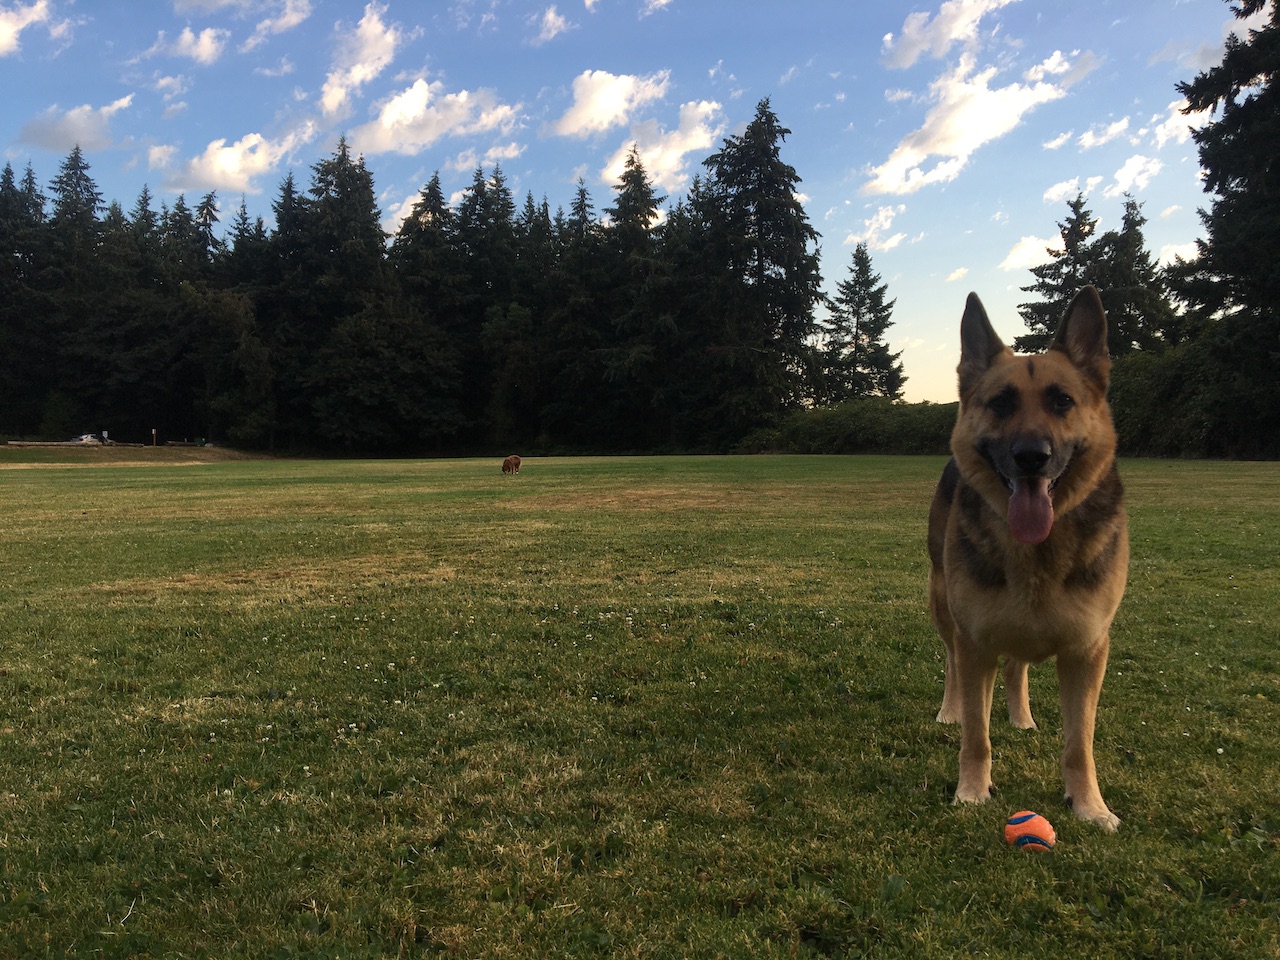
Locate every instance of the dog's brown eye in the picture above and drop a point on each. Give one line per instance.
(1060, 401)
(1004, 404)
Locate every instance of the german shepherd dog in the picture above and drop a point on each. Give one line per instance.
(1028, 541)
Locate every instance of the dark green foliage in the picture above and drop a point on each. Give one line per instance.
(853, 359)
(1134, 294)
(869, 425)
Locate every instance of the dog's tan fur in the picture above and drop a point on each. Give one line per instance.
(1043, 423)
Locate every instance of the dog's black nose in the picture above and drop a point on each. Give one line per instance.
(1031, 455)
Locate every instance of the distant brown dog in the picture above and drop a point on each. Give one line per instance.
(1028, 540)
(511, 464)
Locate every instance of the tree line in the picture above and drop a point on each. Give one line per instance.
(701, 326)
(485, 324)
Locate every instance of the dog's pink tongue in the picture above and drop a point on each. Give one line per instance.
(1030, 510)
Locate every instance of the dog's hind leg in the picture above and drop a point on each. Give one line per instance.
(946, 626)
(1017, 693)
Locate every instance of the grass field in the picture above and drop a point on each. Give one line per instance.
(676, 707)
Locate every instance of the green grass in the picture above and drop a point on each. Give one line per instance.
(631, 707)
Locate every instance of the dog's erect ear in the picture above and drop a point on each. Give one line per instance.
(1082, 336)
(979, 345)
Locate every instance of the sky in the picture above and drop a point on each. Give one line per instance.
(947, 135)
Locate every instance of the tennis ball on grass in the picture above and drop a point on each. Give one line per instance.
(1029, 831)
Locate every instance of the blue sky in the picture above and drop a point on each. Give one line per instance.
(946, 135)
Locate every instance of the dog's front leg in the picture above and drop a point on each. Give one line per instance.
(975, 673)
(1080, 685)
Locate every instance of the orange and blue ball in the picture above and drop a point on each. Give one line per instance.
(1028, 830)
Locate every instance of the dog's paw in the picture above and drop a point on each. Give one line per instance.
(972, 794)
(1097, 814)
(948, 716)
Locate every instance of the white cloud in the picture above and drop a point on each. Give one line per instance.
(85, 125)
(423, 113)
(294, 13)
(170, 88)
(1168, 212)
(956, 22)
(13, 22)
(958, 274)
(361, 56)
(602, 100)
(1067, 189)
(968, 113)
(1137, 172)
(235, 167)
(285, 68)
(204, 47)
(1060, 192)
(875, 230)
(1173, 251)
(1057, 141)
(653, 6)
(590, 5)
(1097, 136)
(550, 25)
(1176, 126)
(395, 217)
(663, 152)
(1030, 252)
(159, 157)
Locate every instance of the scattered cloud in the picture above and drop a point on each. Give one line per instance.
(1137, 172)
(1169, 211)
(293, 13)
(602, 100)
(13, 22)
(423, 113)
(956, 22)
(235, 168)
(1030, 252)
(550, 24)
(1176, 126)
(958, 274)
(967, 114)
(205, 47)
(1068, 189)
(653, 6)
(283, 69)
(1098, 135)
(664, 152)
(160, 156)
(362, 54)
(1058, 141)
(1177, 251)
(876, 230)
(170, 88)
(85, 125)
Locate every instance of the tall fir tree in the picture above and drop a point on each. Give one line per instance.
(854, 360)
(771, 273)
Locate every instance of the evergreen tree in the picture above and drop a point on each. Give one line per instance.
(23, 307)
(1230, 327)
(771, 280)
(854, 359)
(1117, 262)
(1058, 280)
(637, 335)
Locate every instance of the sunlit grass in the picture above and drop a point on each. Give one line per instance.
(629, 707)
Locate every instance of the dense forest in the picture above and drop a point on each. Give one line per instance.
(638, 327)
(489, 324)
